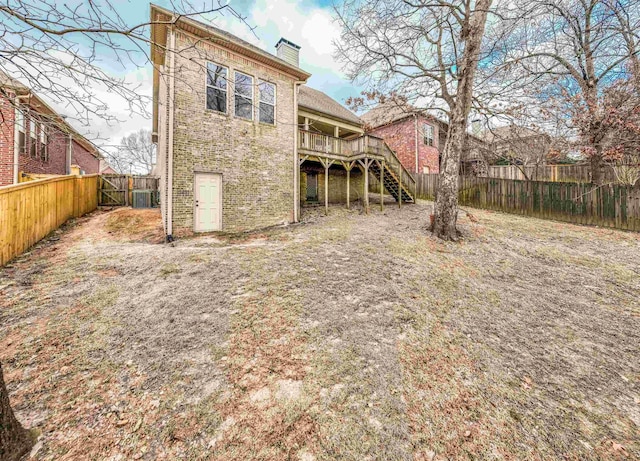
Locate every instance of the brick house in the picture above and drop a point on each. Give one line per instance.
(242, 143)
(35, 140)
(418, 138)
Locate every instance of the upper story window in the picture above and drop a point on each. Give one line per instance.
(244, 96)
(216, 87)
(33, 148)
(427, 133)
(22, 139)
(267, 110)
(44, 153)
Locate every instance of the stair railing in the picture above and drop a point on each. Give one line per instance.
(379, 146)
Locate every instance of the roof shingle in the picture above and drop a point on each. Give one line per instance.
(320, 102)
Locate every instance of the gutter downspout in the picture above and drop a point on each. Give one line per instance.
(296, 163)
(69, 154)
(415, 118)
(169, 152)
(16, 134)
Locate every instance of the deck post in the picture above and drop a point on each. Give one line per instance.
(366, 187)
(400, 186)
(348, 166)
(365, 167)
(326, 164)
(381, 166)
(348, 185)
(326, 189)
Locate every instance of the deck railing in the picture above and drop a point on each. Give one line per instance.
(326, 144)
(319, 142)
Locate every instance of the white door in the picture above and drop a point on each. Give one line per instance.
(208, 206)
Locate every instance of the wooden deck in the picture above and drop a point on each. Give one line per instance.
(369, 153)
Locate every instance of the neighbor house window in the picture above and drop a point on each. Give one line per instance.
(267, 102)
(244, 96)
(428, 134)
(216, 87)
(22, 139)
(44, 154)
(33, 140)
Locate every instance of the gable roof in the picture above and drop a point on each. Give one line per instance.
(161, 18)
(392, 111)
(384, 114)
(317, 101)
(9, 83)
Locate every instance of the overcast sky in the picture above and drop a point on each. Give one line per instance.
(308, 24)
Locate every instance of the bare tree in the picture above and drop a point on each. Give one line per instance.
(136, 154)
(573, 51)
(526, 148)
(56, 49)
(424, 54)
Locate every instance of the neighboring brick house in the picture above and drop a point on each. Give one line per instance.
(239, 136)
(35, 140)
(417, 138)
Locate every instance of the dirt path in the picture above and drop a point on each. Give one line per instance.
(349, 337)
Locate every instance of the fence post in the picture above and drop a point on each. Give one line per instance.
(129, 190)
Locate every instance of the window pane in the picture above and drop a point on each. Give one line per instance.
(216, 76)
(243, 107)
(267, 92)
(216, 99)
(244, 85)
(22, 142)
(267, 113)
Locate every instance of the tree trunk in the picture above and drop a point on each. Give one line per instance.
(596, 168)
(14, 439)
(446, 206)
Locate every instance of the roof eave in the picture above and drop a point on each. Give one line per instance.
(192, 25)
(332, 116)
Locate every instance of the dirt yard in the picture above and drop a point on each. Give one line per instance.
(348, 337)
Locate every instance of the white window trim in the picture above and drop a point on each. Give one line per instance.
(428, 127)
(253, 95)
(275, 101)
(32, 128)
(44, 141)
(206, 86)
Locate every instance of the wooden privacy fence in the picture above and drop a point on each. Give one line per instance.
(118, 189)
(553, 173)
(31, 210)
(608, 206)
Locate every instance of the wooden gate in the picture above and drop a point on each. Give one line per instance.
(117, 189)
(114, 190)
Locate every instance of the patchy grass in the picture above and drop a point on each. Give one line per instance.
(350, 336)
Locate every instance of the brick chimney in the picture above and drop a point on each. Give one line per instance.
(288, 51)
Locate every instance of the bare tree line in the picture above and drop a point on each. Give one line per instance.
(565, 66)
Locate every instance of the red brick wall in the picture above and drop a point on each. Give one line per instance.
(401, 138)
(87, 161)
(56, 163)
(6, 141)
(57, 146)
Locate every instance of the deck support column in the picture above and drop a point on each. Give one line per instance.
(365, 164)
(381, 166)
(348, 166)
(326, 164)
(399, 186)
(348, 186)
